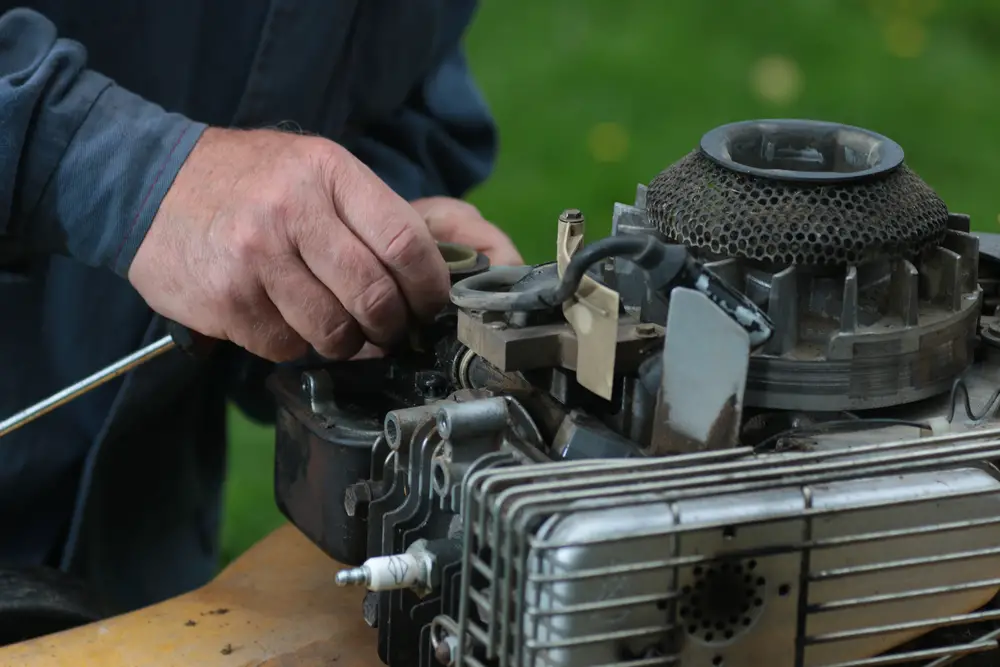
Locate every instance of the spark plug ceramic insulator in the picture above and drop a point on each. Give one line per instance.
(386, 573)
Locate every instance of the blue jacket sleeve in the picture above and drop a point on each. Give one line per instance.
(84, 163)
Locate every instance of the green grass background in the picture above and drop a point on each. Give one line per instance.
(594, 96)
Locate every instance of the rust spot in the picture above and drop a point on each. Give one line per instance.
(725, 428)
(190, 624)
(723, 434)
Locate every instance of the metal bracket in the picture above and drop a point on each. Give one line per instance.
(705, 361)
(592, 313)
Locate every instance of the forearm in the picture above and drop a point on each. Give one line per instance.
(85, 162)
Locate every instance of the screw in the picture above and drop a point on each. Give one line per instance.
(369, 609)
(317, 387)
(571, 215)
(359, 493)
(431, 384)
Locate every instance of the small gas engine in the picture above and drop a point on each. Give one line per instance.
(754, 427)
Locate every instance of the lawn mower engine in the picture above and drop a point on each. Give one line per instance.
(751, 428)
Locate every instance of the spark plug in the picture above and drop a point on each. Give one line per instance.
(417, 569)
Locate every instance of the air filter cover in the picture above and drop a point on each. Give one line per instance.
(797, 192)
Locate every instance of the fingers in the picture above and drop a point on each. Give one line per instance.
(355, 276)
(395, 233)
(369, 351)
(278, 242)
(312, 310)
(259, 327)
(456, 221)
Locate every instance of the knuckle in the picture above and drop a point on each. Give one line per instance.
(276, 343)
(249, 241)
(466, 210)
(340, 339)
(236, 295)
(274, 204)
(403, 246)
(379, 301)
(331, 159)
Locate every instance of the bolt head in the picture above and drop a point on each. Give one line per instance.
(571, 215)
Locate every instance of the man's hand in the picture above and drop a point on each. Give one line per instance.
(456, 221)
(277, 241)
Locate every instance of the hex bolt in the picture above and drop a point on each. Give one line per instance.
(571, 215)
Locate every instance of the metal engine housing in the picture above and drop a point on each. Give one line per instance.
(626, 477)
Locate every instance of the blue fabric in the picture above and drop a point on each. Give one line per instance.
(100, 103)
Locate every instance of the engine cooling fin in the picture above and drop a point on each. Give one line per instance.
(797, 192)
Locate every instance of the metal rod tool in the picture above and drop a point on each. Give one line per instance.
(179, 336)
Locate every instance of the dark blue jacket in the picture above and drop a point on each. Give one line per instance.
(100, 102)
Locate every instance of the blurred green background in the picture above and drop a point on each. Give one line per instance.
(594, 96)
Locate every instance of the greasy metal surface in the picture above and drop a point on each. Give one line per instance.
(276, 606)
(707, 207)
(593, 314)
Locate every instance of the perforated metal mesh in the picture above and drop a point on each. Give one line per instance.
(724, 600)
(703, 205)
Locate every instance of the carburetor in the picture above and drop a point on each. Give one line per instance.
(737, 432)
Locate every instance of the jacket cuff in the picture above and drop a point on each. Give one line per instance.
(113, 175)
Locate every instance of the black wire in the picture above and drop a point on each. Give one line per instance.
(483, 291)
(988, 409)
(837, 425)
(644, 251)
